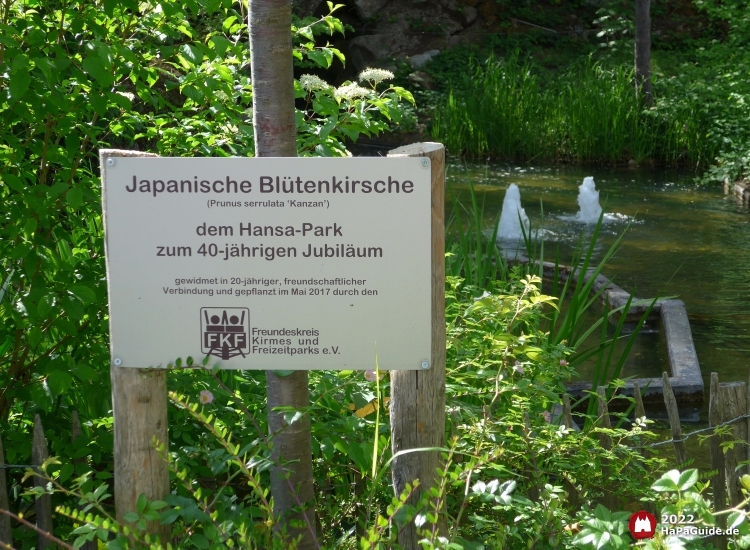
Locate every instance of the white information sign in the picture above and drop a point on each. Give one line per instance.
(269, 263)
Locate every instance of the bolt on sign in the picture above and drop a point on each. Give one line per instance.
(269, 263)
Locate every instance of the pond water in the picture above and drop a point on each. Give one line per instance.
(687, 242)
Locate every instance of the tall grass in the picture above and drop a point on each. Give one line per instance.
(589, 113)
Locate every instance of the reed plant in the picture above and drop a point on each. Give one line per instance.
(503, 107)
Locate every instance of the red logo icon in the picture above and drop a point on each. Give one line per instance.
(642, 525)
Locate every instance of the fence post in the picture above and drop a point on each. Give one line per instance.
(610, 501)
(718, 482)
(43, 504)
(418, 397)
(139, 408)
(674, 420)
(733, 405)
(567, 416)
(6, 535)
(640, 410)
(747, 425)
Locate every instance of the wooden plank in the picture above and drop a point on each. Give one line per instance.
(733, 399)
(75, 433)
(43, 505)
(674, 420)
(418, 397)
(139, 407)
(6, 536)
(718, 482)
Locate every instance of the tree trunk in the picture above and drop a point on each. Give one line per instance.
(273, 121)
(643, 49)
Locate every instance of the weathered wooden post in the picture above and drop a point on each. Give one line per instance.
(567, 417)
(139, 407)
(610, 500)
(6, 536)
(674, 420)
(718, 482)
(418, 397)
(733, 405)
(640, 410)
(43, 505)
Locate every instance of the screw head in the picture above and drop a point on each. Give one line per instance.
(110, 162)
(118, 362)
(425, 162)
(425, 365)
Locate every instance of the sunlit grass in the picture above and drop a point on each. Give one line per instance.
(588, 114)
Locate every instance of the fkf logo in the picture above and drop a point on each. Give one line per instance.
(224, 331)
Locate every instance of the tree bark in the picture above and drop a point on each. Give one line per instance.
(275, 136)
(643, 50)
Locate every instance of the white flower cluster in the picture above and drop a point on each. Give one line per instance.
(311, 82)
(376, 76)
(351, 91)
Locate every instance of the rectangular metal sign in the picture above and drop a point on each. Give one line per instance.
(269, 263)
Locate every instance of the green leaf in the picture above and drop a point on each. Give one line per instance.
(20, 251)
(322, 57)
(131, 517)
(96, 67)
(200, 541)
(220, 44)
(109, 7)
(75, 197)
(14, 182)
(45, 305)
(687, 479)
(66, 471)
(59, 382)
(34, 337)
(99, 103)
(191, 53)
(19, 83)
(30, 226)
(83, 293)
(667, 482)
(141, 503)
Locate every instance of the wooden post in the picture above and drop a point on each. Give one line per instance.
(674, 421)
(747, 425)
(75, 433)
(718, 482)
(43, 505)
(640, 410)
(610, 501)
(567, 417)
(139, 407)
(6, 535)
(418, 397)
(734, 404)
